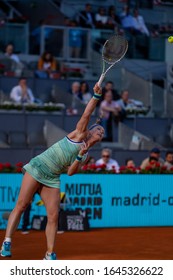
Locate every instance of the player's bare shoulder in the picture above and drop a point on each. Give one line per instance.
(77, 135)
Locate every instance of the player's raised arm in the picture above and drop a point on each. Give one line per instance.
(84, 120)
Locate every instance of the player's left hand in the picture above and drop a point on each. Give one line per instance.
(97, 89)
(84, 149)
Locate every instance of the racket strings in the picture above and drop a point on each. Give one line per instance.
(114, 49)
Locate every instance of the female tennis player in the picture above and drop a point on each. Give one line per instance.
(42, 175)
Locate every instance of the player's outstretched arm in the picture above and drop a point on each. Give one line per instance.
(84, 120)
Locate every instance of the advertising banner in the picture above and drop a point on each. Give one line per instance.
(109, 200)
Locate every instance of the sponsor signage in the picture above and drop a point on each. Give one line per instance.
(108, 200)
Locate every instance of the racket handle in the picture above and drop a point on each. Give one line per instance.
(101, 79)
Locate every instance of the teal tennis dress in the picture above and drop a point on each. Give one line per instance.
(47, 167)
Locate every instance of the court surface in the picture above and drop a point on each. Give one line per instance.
(98, 244)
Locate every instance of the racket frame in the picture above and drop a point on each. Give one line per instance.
(102, 76)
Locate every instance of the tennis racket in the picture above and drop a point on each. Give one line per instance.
(114, 49)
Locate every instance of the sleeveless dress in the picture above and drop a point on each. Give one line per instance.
(47, 167)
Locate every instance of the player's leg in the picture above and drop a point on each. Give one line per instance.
(28, 188)
(51, 199)
(25, 220)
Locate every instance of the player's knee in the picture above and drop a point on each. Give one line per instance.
(52, 217)
(21, 206)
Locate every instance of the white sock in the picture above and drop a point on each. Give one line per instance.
(7, 239)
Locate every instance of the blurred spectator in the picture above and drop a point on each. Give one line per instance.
(153, 156)
(169, 160)
(126, 18)
(153, 163)
(112, 14)
(22, 93)
(133, 24)
(101, 18)
(139, 23)
(87, 17)
(113, 20)
(109, 85)
(76, 98)
(108, 109)
(129, 163)
(126, 103)
(75, 40)
(86, 95)
(123, 102)
(106, 159)
(127, 23)
(17, 66)
(9, 52)
(75, 90)
(47, 66)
